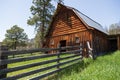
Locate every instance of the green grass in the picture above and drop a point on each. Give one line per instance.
(33, 68)
(105, 67)
(30, 69)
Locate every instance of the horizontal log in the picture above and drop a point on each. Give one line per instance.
(8, 53)
(35, 64)
(67, 32)
(8, 61)
(52, 72)
(30, 73)
(67, 28)
(40, 70)
(28, 66)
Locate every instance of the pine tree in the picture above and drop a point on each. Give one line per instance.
(15, 37)
(60, 1)
(42, 12)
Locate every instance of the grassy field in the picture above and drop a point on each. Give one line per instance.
(105, 67)
(29, 62)
(36, 67)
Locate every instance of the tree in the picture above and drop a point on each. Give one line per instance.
(30, 43)
(60, 1)
(37, 40)
(42, 12)
(106, 29)
(15, 37)
(114, 28)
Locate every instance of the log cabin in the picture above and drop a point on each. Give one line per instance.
(70, 27)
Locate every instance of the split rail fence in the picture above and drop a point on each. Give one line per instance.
(72, 55)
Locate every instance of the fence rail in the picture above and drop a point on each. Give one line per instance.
(72, 55)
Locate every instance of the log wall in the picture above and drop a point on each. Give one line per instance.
(66, 25)
(100, 42)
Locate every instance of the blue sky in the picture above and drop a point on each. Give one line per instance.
(16, 12)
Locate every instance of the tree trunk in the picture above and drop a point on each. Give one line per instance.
(43, 25)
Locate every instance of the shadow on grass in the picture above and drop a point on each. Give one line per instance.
(109, 53)
(75, 68)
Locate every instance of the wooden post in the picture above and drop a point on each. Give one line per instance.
(58, 56)
(81, 49)
(118, 42)
(3, 48)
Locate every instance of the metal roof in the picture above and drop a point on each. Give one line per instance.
(88, 20)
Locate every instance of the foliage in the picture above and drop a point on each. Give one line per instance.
(42, 12)
(103, 68)
(60, 1)
(30, 43)
(114, 28)
(37, 40)
(15, 37)
(27, 62)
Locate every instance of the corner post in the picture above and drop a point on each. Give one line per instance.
(81, 53)
(3, 48)
(58, 56)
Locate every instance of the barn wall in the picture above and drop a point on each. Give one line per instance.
(118, 42)
(83, 36)
(66, 22)
(70, 38)
(67, 26)
(100, 42)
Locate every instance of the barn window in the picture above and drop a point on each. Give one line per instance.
(77, 40)
(52, 42)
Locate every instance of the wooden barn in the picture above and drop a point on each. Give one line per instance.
(70, 27)
(114, 42)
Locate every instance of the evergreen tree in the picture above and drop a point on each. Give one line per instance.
(15, 37)
(42, 12)
(60, 1)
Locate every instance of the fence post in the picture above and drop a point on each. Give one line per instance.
(3, 48)
(58, 57)
(81, 54)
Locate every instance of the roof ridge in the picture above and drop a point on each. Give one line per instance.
(88, 17)
(83, 14)
(88, 20)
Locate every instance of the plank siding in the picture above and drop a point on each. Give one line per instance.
(66, 25)
(61, 25)
(100, 42)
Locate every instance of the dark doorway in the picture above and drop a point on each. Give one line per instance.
(113, 44)
(63, 44)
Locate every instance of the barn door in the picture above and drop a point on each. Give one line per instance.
(63, 44)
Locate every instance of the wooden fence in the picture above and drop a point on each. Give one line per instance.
(6, 59)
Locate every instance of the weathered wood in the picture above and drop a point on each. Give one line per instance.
(8, 61)
(8, 53)
(58, 56)
(52, 72)
(73, 58)
(3, 48)
(3, 71)
(68, 24)
(29, 65)
(118, 42)
(100, 42)
(40, 70)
